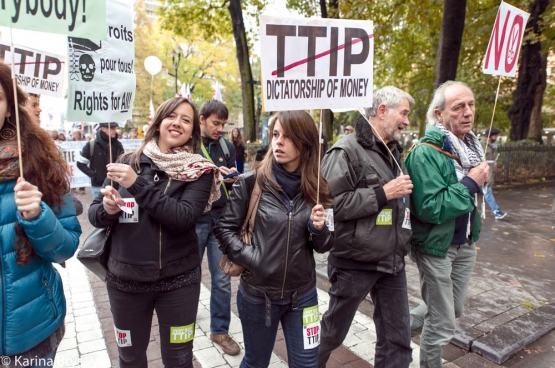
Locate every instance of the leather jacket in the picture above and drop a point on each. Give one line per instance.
(280, 263)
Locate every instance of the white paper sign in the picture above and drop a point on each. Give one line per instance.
(506, 38)
(311, 327)
(316, 63)
(39, 72)
(101, 73)
(72, 153)
(132, 213)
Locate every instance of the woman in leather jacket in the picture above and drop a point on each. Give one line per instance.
(154, 261)
(279, 284)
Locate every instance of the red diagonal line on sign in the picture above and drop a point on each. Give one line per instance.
(317, 56)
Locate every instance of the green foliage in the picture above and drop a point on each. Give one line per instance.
(406, 34)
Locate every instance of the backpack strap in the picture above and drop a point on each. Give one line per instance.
(224, 147)
(91, 146)
(442, 151)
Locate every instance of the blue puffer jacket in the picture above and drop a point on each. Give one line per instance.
(32, 296)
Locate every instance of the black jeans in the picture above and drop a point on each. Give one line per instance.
(391, 314)
(176, 311)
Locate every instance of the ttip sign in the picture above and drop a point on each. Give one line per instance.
(506, 38)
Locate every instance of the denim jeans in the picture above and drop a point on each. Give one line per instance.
(220, 293)
(444, 283)
(391, 314)
(259, 339)
(95, 191)
(490, 199)
(176, 311)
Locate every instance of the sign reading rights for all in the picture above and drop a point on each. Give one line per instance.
(316, 63)
(79, 18)
(39, 72)
(101, 73)
(506, 38)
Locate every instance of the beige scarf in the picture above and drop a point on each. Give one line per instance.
(182, 165)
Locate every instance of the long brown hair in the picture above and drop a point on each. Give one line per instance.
(43, 165)
(300, 128)
(237, 142)
(153, 132)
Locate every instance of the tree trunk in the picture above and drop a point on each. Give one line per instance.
(536, 124)
(528, 77)
(450, 40)
(247, 85)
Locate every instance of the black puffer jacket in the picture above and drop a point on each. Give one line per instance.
(164, 241)
(280, 262)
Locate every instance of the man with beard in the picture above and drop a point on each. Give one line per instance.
(95, 155)
(372, 230)
(448, 168)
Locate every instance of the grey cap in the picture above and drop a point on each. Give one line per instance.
(112, 124)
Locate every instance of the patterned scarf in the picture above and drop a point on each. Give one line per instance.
(467, 150)
(182, 165)
(470, 153)
(9, 160)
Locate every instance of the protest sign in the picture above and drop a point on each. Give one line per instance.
(316, 63)
(77, 18)
(506, 39)
(101, 83)
(39, 72)
(72, 153)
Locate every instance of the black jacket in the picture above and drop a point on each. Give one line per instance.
(280, 262)
(95, 167)
(217, 155)
(357, 167)
(164, 241)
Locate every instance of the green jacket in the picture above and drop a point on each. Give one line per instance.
(438, 198)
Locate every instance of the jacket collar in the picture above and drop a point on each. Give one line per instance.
(366, 138)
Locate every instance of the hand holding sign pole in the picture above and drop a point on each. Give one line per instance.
(504, 46)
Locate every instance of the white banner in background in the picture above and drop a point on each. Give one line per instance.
(101, 73)
(316, 63)
(506, 38)
(39, 72)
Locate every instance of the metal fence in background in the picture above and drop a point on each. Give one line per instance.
(525, 164)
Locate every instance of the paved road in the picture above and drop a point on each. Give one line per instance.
(513, 276)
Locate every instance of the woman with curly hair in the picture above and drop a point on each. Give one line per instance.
(38, 227)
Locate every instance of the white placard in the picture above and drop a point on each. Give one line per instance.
(316, 63)
(39, 72)
(102, 82)
(505, 41)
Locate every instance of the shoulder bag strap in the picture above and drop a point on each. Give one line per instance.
(446, 153)
(248, 224)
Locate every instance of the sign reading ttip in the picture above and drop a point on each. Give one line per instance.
(506, 38)
(316, 63)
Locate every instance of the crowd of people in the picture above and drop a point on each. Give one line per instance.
(190, 198)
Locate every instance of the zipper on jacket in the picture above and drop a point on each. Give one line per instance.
(3, 309)
(50, 298)
(287, 248)
(160, 249)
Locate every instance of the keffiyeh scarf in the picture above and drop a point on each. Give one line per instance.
(182, 165)
(470, 153)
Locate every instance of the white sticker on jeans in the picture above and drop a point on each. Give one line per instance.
(311, 327)
(406, 220)
(329, 219)
(132, 213)
(123, 337)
